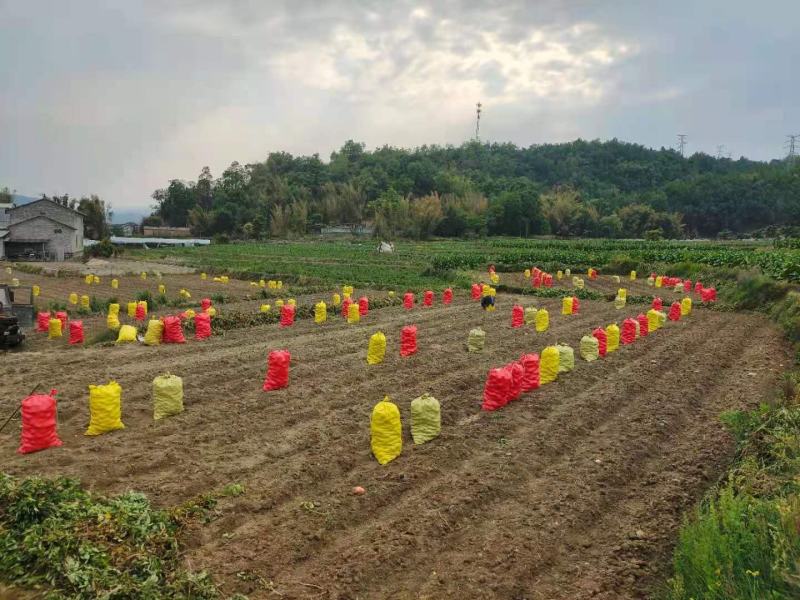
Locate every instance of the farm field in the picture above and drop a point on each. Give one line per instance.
(576, 490)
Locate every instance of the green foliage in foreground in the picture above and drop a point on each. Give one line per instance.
(744, 542)
(56, 536)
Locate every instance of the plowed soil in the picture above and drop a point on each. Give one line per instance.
(574, 491)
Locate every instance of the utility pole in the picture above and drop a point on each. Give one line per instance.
(682, 142)
(478, 109)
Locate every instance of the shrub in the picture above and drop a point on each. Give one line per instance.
(621, 264)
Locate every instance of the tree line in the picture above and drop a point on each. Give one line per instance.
(582, 188)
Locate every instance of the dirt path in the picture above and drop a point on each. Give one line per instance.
(574, 491)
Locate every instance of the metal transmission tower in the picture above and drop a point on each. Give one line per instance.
(682, 142)
(720, 148)
(478, 110)
(791, 147)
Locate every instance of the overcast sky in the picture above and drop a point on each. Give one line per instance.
(116, 98)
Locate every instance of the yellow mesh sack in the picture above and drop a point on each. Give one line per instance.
(112, 321)
(131, 309)
(95, 279)
(211, 311)
(36, 291)
(265, 308)
(542, 320)
(653, 322)
(651, 281)
(127, 333)
(566, 358)
(73, 298)
(88, 279)
(686, 306)
(353, 315)
(659, 281)
(167, 396)
(190, 313)
(476, 340)
(155, 329)
(590, 348)
(54, 329)
(114, 284)
(567, 273)
(426, 419)
(105, 408)
(612, 337)
(278, 284)
(622, 293)
(579, 284)
(203, 276)
(336, 299)
(527, 273)
(633, 275)
(386, 431)
(113, 309)
(616, 278)
(566, 305)
(278, 303)
(85, 302)
(143, 275)
(530, 315)
(619, 303)
(162, 289)
(548, 365)
(320, 312)
(291, 302)
(495, 278)
(391, 294)
(272, 284)
(662, 318)
(262, 283)
(559, 275)
(376, 349)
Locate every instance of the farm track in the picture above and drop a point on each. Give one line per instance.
(510, 504)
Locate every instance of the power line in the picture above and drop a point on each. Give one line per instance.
(682, 142)
(478, 110)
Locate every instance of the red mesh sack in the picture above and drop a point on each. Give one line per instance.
(536, 280)
(287, 315)
(345, 306)
(140, 312)
(536, 272)
(64, 318)
(491, 268)
(38, 423)
(674, 312)
(576, 305)
(76, 332)
(427, 298)
(277, 370)
(705, 295)
(712, 294)
(644, 325)
(698, 287)
(205, 304)
(447, 296)
(363, 306)
(687, 286)
(657, 304)
(517, 316)
(602, 340)
(202, 326)
(530, 368)
(43, 322)
(628, 333)
(517, 373)
(408, 340)
(173, 332)
(497, 389)
(476, 292)
(408, 300)
(548, 280)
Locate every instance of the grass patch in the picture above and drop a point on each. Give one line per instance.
(57, 536)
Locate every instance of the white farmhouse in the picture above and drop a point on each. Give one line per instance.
(40, 230)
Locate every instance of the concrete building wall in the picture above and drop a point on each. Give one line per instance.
(44, 219)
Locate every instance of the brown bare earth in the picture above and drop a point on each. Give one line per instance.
(574, 491)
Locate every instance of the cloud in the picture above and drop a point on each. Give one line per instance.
(117, 98)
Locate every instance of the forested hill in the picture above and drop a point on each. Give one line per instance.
(581, 188)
